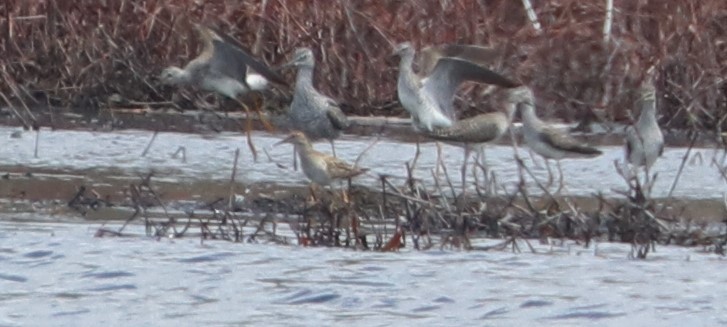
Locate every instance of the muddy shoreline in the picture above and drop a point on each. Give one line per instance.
(25, 189)
(209, 123)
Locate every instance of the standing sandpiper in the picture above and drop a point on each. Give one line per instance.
(311, 112)
(472, 133)
(429, 99)
(548, 142)
(319, 167)
(644, 140)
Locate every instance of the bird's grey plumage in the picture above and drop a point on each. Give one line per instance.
(445, 67)
(483, 128)
(429, 100)
(228, 50)
(311, 112)
(644, 140)
(472, 134)
(422, 106)
(222, 67)
(549, 142)
(477, 54)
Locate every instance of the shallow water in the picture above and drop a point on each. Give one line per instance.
(59, 274)
(119, 153)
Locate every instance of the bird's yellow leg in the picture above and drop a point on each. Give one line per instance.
(259, 109)
(248, 130)
(312, 198)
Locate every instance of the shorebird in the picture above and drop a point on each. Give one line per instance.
(548, 142)
(311, 112)
(429, 98)
(644, 140)
(319, 167)
(225, 68)
(472, 133)
(222, 67)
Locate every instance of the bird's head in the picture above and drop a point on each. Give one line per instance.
(173, 76)
(404, 49)
(519, 98)
(302, 57)
(647, 88)
(296, 138)
(522, 94)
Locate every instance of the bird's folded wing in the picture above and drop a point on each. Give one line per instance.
(559, 140)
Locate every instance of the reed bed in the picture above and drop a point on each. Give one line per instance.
(582, 61)
(406, 213)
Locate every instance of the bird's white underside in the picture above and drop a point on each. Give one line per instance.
(232, 88)
(257, 82)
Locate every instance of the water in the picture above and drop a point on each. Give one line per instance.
(54, 272)
(59, 274)
(119, 153)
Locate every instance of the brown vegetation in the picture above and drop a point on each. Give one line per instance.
(404, 213)
(78, 53)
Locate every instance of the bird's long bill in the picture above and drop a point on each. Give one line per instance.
(287, 64)
(392, 59)
(285, 140)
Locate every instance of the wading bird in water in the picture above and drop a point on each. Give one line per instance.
(319, 167)
(545, 140)
(644, 140)
(429, 95)
(429, 99)
(311, 112)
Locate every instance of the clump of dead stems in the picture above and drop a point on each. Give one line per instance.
(411, 213)
(218, 219)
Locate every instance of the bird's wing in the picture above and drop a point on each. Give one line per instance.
(341, 169)
(333, 111)
(337, 117)
(630, 139)
(203, 59)
(477, 54)
(449, 73)
(559, 140)
(229, 57)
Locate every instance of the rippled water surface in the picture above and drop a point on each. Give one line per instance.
(59, 274)
(212, 158)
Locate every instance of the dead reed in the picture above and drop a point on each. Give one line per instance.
(406, 213)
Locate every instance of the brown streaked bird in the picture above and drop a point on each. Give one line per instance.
(545, 140)
(429, 96)
(225, 68)
(319, 167)
(473, 133)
